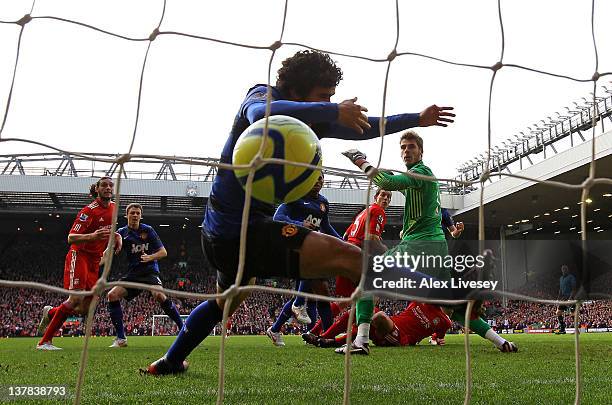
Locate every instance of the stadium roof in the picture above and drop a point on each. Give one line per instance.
(57, 183)
(167, 187)
(526, 206)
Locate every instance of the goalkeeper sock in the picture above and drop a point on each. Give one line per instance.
(478, 325)
(170, 310)
(497, 340)
(116, 316)
(283, 317)
(197, 327)
(61, 314)
(365, 310)
(363, 334)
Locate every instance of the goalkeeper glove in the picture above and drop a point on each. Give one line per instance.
(359, 159)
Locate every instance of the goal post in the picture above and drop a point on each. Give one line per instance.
(163, 322)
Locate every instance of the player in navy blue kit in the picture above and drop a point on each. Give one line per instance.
(312, 212)
(144, 249)
(448, 223)
(304, 87)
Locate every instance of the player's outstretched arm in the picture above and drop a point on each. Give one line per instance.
(253, 108)
(430, 116)
(351, 115)
(387, 181)
(344, 120)
(438, 116)
(395, 182)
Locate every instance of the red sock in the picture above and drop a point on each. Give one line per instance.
(338, 327)
(52, 311)
(335, 308)
(61, 313)
(317, 329)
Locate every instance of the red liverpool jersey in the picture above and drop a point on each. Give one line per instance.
(91, 218)
(378, 219)
(420, 320)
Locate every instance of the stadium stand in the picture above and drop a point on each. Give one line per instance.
(36, 257)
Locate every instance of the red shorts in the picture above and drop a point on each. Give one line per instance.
(81, 270)
(344, 286)
(397, 337)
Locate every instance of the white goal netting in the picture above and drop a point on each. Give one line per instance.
(393, 54)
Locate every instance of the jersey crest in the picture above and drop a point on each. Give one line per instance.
(260, 96)
(144, 235)
(289, 230)
(83, 217)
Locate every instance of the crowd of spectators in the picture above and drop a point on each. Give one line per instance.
(519, 315)
(41, 260)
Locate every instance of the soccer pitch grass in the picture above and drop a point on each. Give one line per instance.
(259, 373)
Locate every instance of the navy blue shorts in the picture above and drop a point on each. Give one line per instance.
(145, 278)
(272, 250)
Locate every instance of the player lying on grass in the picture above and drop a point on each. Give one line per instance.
(144, 248)
(417, 322)
(312, 212)
(422, 233)
(88, 239)
(304, 87)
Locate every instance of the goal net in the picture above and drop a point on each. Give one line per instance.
(389, 61)
(162, 325)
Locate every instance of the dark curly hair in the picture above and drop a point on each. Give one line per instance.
(92, 189)
(305, 70)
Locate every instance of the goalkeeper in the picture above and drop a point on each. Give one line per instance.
(421, 233)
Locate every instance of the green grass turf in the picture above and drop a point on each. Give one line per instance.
(259, 373)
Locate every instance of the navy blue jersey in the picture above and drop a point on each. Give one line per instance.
(223, 215)
(313, 210)
(137, 242)
(447, 219)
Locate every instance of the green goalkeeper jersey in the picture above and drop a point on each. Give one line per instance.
(422, 212)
